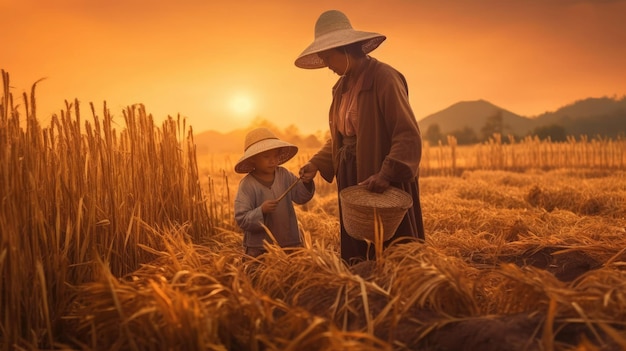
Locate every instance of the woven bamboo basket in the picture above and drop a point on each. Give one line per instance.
(358, 206)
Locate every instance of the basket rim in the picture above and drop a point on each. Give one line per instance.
(347, 196)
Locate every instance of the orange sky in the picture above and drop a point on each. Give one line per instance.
(221, 63)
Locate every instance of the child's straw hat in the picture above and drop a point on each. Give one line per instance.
(260, 140)
(333, 30)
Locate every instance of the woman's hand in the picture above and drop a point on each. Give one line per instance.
(376, 183)
(308, 172)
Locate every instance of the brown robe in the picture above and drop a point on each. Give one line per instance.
(388, 140)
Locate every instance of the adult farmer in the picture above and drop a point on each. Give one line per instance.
(375, 140)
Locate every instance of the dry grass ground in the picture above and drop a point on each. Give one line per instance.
(513, 260)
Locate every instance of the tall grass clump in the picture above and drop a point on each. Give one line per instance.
(78, 194)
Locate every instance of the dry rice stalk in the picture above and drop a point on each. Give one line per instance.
(322, 284)
(82, 193)
(548, 332)
(423, 277)
(527, 289)
(378, 237)
(615, 335)
(604, 293)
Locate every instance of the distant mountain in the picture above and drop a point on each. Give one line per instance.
(584, 109)
(593, 116)
(474, 114)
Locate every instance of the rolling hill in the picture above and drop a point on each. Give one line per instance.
(474, 114)
(592, 116)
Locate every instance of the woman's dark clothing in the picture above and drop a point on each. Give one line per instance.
(386, 140)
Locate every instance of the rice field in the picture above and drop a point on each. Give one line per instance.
(116, 235)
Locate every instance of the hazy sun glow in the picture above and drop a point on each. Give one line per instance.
(241, 105)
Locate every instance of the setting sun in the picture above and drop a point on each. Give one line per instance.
(241, 105)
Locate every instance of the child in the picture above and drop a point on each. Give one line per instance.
(258, 199)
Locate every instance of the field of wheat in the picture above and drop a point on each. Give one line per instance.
(116, 235)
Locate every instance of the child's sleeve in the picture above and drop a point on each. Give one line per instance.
(248, 215)
(302, 193)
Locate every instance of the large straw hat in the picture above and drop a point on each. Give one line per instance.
(260, 140)
(333, 30)
(360, 207)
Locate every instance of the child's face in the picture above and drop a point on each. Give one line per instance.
(266, 162)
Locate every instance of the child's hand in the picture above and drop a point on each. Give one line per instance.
(269, 206)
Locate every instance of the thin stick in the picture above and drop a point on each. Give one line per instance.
(288, 190)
